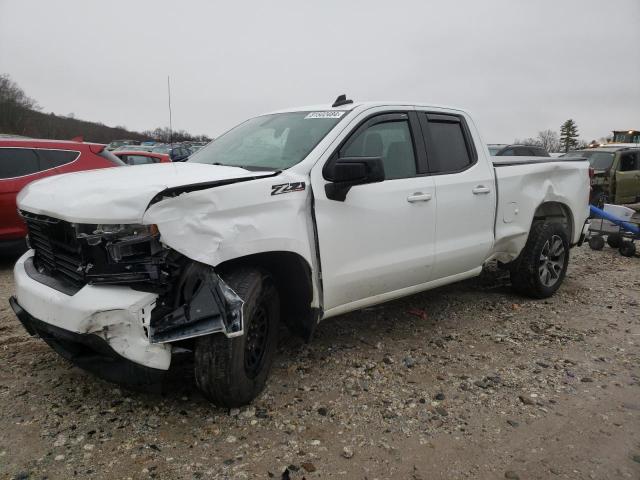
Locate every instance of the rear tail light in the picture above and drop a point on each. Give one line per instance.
(592, 172)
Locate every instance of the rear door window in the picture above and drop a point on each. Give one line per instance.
(18, 162)
(56, 158)
(448, 144)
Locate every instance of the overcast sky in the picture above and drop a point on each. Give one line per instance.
(518, 66)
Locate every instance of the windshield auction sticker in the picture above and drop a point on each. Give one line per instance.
(328, 114)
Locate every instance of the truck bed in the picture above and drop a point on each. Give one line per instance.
(523, 184)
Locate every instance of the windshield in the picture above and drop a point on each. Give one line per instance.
(597, 160)
(273, 142)
(494, 150)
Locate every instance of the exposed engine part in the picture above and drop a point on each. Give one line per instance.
(202, 304)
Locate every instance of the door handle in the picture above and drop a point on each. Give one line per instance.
(480, 189)
(419, 197)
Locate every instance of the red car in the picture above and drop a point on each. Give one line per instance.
(24, 160)
(140, 157)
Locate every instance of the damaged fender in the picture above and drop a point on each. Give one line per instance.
(212, 307)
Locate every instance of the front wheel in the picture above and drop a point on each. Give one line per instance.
(542, 265)
(231, 372)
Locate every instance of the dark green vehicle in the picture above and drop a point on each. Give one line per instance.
(616, 177)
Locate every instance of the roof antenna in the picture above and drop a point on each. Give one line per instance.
(341, 100)
(170, 125)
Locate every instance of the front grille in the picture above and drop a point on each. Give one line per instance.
(56, 247)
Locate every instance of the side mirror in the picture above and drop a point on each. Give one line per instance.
(345, 172)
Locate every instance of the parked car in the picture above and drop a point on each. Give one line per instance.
(520, 151)
(137, 157)
(294, 216)
(616, 173)
(177, 153)
(131, 148)
(495, 147)
(118, 143)
(24, 160)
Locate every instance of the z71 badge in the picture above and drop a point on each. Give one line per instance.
(287, 188)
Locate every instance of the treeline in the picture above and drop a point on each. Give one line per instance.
(21, 115)
(567, 139)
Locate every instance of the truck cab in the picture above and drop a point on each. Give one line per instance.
(616, 176)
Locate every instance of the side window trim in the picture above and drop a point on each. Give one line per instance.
(420, 148)
(368, 123)
(382, 117)
(424, 116)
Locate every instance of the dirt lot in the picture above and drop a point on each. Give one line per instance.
(467, 381)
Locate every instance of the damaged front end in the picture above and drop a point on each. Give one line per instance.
(200, 304)
(192, 299)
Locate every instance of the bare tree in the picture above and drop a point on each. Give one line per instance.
(549, 140)
(526, 141)
(19, 114)
(15, 106)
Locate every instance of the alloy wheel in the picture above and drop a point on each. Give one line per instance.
(551, 261)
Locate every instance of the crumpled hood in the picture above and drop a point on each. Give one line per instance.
(119, 194)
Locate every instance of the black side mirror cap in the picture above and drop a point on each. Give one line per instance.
(346, 172)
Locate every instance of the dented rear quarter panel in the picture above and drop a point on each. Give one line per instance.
(523, 188)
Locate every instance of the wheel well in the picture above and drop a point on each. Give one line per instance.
(292, 276)
(555, 212)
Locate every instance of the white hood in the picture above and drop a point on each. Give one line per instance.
(119, 194)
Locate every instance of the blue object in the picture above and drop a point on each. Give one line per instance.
(630, 227)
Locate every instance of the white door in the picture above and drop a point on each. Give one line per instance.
(381, 237)
(465, 194)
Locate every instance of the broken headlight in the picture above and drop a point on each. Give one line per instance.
(123, 253)
(129, 241)
(125, 230)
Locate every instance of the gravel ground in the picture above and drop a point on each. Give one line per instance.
(466, 381)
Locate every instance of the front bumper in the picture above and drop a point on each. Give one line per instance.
(90, 352)
(111, 321)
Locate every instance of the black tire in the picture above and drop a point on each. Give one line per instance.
(530, 274)
(596, 243)
(614, 240)
(231, 372)
(627, 248)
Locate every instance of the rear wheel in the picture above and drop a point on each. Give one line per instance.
(596, 243)
(627, 248)
(231, 372)
(542, 265)
(614, 240)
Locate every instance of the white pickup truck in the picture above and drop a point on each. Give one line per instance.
(293, 216)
